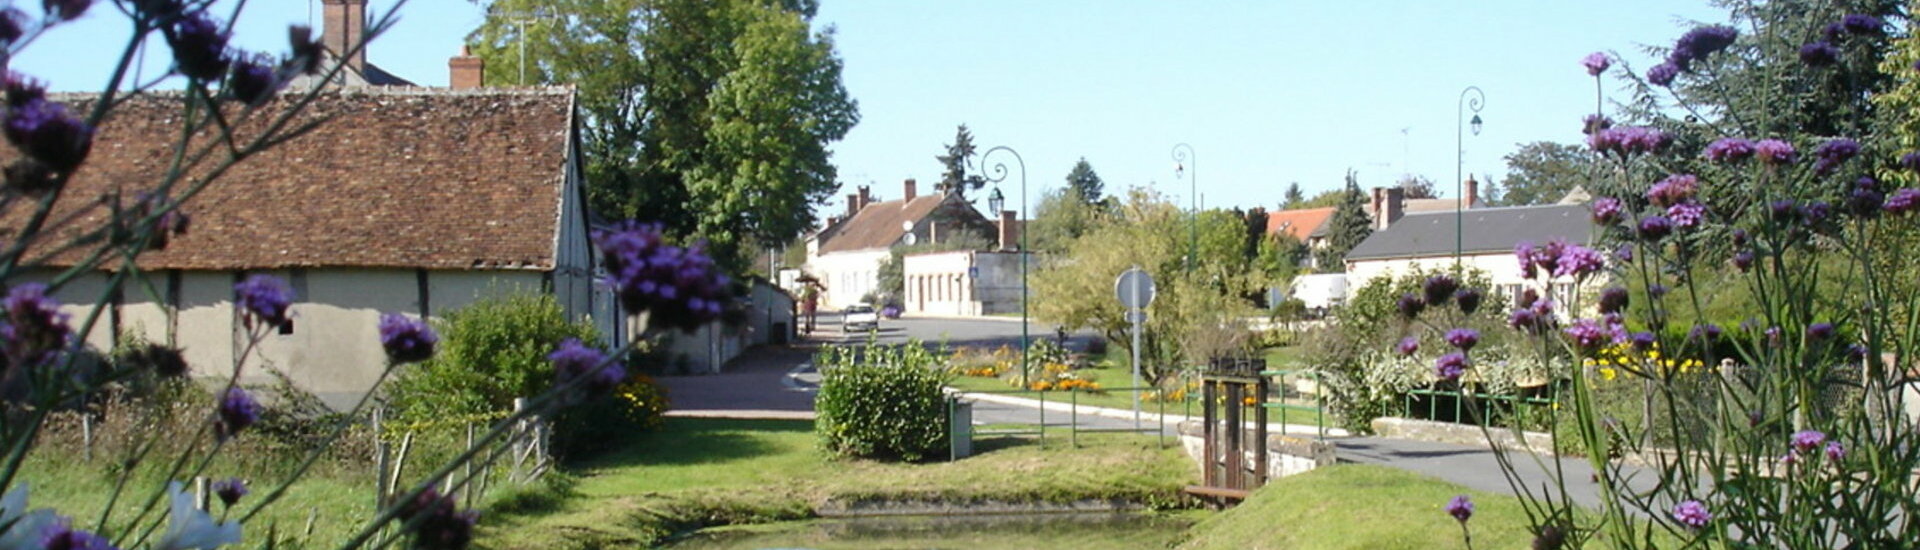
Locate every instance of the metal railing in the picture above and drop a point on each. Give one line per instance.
(1319, 407)
(1487, 402)
(1073, 424)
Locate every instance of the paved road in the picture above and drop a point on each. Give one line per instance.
(781, 383)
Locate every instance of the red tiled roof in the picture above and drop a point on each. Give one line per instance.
(878, 225)
(405, 178)
(1299, 223)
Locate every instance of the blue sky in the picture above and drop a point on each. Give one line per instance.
(1266, 92)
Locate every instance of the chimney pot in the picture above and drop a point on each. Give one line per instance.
(912, 189)
(1009, 234)
(345, 29)
(866, 196)
(465, 70)
(1393, 205)
(853, 205)
(1473, 193)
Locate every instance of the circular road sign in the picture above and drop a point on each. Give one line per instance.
(1135, 288)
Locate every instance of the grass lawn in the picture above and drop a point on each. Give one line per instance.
(1112, 375)
(1360, 507)
(1286, 357)
(696, 473)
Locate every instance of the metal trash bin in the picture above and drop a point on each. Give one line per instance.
(959, 428)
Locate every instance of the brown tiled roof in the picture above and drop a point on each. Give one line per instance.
(878, 225)
(1298, 223)
(404, 178)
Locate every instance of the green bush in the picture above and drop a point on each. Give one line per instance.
(491, 352)
(882, 402)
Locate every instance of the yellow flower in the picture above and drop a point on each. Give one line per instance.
(1608, 374)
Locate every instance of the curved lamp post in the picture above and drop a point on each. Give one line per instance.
(1459, 157)
(1183, 161)
(995, 173)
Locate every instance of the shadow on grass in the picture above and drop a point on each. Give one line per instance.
(696, 441)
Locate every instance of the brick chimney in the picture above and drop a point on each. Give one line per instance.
(465, 70)
(853, 205)
(1009, 233)
(1392, 205)
(911, 189)
(1473, 193)
(866, 197)
(344, 29)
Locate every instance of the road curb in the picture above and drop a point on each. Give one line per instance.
(1127, 414)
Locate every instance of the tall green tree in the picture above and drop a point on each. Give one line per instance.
(960, 153)
(1062, 217)
(1543, 172)
(1294, 198)
(1083, 180)
(1418, 187)
(712, 117)
(1349, 226)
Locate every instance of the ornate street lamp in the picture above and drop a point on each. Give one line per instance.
(1459, 158)
(996, 202)
(1183, 162)
(995, 173)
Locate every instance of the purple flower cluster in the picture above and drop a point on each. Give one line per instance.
(679, 287)
(1450, 366)
(1594, 123)
(573, 360)
(1588, 334)
(1687, 215)
(199, 46)
(1861, 24)
(62, 536)
(1653, 228)
(437, 521)
(1729, 150)
(1910, 162)
(264, 299)
(43, 129)
(1833, 153)
(1613, 300)
(1743, 260)
(1864, 198)
(1409, 305)
(1835, 451)
(1699, 43)
(1606, 210)
(1903, 201)
(1808, 440)
(237, 410)
(1675, 189)
(1463, 338)
(1578, 262)
(1408, 346)
(230, 490)
(1819, 54)
(254, 79)
(1468, 299)
(1663, 74)
(1773, 151)
(1557, 258)
(406, 339)
(1596, 63)
(1641, 341)
(1629, 140)
(1439, 289)
(1820, 332)
(34, 330)
(1461, 508)
(1692, 514)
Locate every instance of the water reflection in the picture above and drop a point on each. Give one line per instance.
(1051, 531)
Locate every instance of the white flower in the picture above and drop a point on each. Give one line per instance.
(192, 527)
(23, 528)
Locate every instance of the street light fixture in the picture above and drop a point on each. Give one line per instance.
(1183, 157)
(1459, 159)
(996, 202)
(995, 173)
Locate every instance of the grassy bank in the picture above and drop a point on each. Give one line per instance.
(1360, 507)
(705, 472)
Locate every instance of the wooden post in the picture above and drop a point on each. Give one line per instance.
(86, 433)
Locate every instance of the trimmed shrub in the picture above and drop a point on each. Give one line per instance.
(491, 352)
(882, 402)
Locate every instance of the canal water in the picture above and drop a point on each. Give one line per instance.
(1049, 531)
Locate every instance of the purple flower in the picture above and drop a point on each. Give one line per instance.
(1675, 189)
(1836, 451)
(1524, 252)
(1815, 212)
(1628, 140)
(264, 298)
(65, 10)
(62, 536)
(1865, 201)
(254, 80)
(1743, 260)
(1468, 299)
(230, 490)
(1774, 151)
(13, 25)
(1739, 236)
(237, 411)
(1578, 261)
(1729, 150)
(34, 330)
(1692, 514)
(1820, 332)
(1833, 153)
(406, 339)
(1785, 210)
(1408, 345)
(1463, 338)
(1819, 54)
(436, 521)
(1910, 161)
(1704, 333)
(1596, 63)
(573, 360)
(1863, 25)
(1902, 201)
(1653, 228)
(1461, 508)
(1657, 290)
(1699, 43)
(1439, 289)
(1527, 298)
(306, 52)
(1587, 334)
(1594, 123)
(679, 287)
(1808, 440)
(1624, 253)
(1773, 337)
(1663, 74)
(1856, 352)
(1524, 319)
(1450, 366)
(1410, 306)
(1641, 341)
(1613, 300)
(199, 46)
(45, 131)
(1687, 215)
(1606, 210)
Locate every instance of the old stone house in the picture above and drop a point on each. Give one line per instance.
(846, 254)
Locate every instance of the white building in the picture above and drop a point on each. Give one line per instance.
(1486, 241)
(963, 282)
(846, 255)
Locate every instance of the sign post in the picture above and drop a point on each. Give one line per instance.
(1136, 291)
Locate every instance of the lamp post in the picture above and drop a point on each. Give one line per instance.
(1459, 159)
(1183, 157)
(996, 172)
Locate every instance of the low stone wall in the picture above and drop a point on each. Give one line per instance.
(1286, 455)
(1460, 434)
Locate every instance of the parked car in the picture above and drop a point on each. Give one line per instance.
(860, 317)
